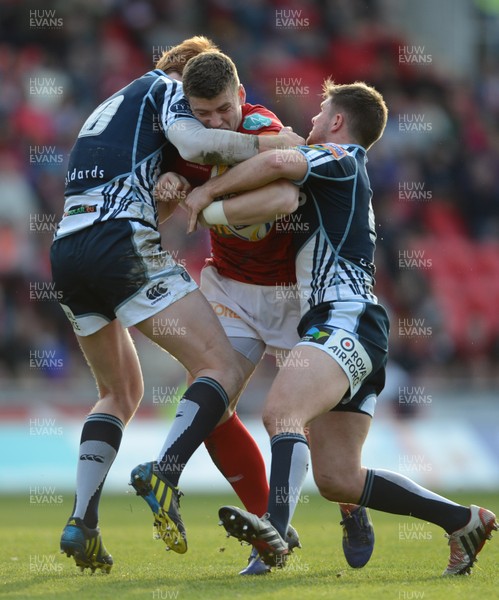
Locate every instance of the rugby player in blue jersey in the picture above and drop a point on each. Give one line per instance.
(333, 375)
(112, 273)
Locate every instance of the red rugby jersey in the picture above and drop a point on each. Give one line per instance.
(269, 261)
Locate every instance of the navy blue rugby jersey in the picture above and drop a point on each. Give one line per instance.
(116, 159)
(334, 227)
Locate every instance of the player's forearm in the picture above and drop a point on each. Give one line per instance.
(211, 146)
(263, 204)
(253, 173)
(274, 142)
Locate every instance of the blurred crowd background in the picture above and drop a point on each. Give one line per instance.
(434, 174)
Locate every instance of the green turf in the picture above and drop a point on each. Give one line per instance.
(407, 562)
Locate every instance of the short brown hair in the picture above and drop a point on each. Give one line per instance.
(177, 57)
(209, 74)
(365, 109)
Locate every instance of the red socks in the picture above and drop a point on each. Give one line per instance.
(238, 458)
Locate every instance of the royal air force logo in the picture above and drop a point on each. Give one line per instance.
(346, 350)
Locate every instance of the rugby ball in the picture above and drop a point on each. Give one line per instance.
(249, 233)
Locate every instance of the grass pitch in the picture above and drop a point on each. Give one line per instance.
(408, 559)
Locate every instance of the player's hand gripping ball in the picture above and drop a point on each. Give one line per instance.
(249, 233)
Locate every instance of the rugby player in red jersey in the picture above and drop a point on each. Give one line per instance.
(252, 288)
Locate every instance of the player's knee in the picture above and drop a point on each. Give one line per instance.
(238, 378)
(330, 489)
(268, 421)
(231, 378)
(278, 420)
(135, 395)
(336, 487)
(125, 399)
(129, 405)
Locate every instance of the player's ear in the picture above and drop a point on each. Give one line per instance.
(337, 121)
(241, 93)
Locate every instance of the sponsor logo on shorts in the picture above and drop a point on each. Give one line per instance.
(351, 356)
(345, 349)
(347, 344)
(157, 291)
(185, 276)
(71, 317)
(316, 335)
(223, 311)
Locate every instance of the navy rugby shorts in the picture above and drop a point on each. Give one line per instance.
(115, 269)
(355, 335)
